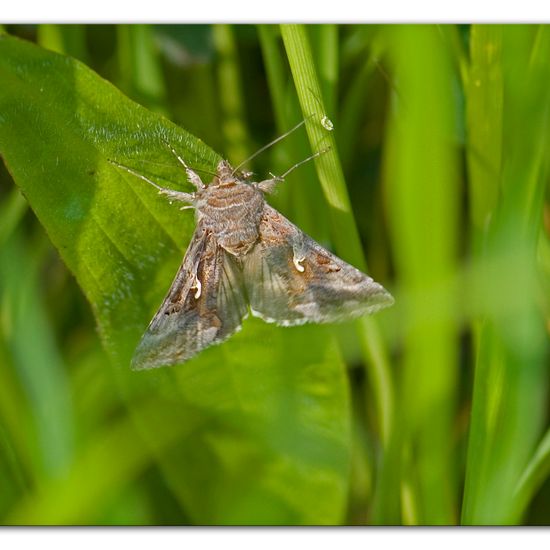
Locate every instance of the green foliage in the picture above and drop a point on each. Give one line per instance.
(436, 176)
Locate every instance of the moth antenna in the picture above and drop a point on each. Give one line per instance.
(184, 164)
(137, 174)
(194, 178)
(311, 157)
(176, 195)
(267, 186)
(176, 154)
(276, 140)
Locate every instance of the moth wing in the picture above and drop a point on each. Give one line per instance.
(291, 279)
(195, 315)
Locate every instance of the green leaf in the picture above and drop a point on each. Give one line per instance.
(484, 119)
(535, 474)
(253, 431)
(421, 170)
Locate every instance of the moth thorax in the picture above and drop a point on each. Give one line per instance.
(233, 214)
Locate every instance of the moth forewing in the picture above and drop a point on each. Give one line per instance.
(245, 255)
(291, 279)
(204, 306)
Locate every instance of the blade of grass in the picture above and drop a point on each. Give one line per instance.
(140, 67)
(330, 174)
(36, 356)
(11, 213)
(484, 122)
(231, 97)
(422, 173)
(353, 107)
(276, 73)
(68, 39)
(302, 200)
(325, 47)
(536, 472)
(344, 230)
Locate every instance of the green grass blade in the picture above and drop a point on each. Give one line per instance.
(351, 118)
(484, 121)
(276, 74)
(300, 198)
(36, 358)
(422, 172)
(536, 472)
(324, 41)
(67, 39)
(229, 83)
(12, 210)
(139, 66)
(344, 230)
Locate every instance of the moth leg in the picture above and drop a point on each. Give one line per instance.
(170, 193)
(177, 195)
(194, 178)
(268, 186)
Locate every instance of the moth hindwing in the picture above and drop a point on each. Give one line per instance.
(246, 256)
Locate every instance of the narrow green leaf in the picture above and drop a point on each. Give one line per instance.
(536, 472)
(67, 39)
(344, 230)
(325, 44)
(422, 173)
(36, 358)
(11, 213)
(300, 197)
(484, 120)
(139, 66)
(229, 83)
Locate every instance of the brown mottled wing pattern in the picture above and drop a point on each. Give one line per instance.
(189, 321)
(324, 289)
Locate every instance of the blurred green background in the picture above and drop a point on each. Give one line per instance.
(432, 412)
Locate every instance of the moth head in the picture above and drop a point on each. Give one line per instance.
(225, 173)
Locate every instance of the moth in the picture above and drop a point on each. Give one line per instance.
(246, 257)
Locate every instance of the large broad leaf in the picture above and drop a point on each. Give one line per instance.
(258, 427)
